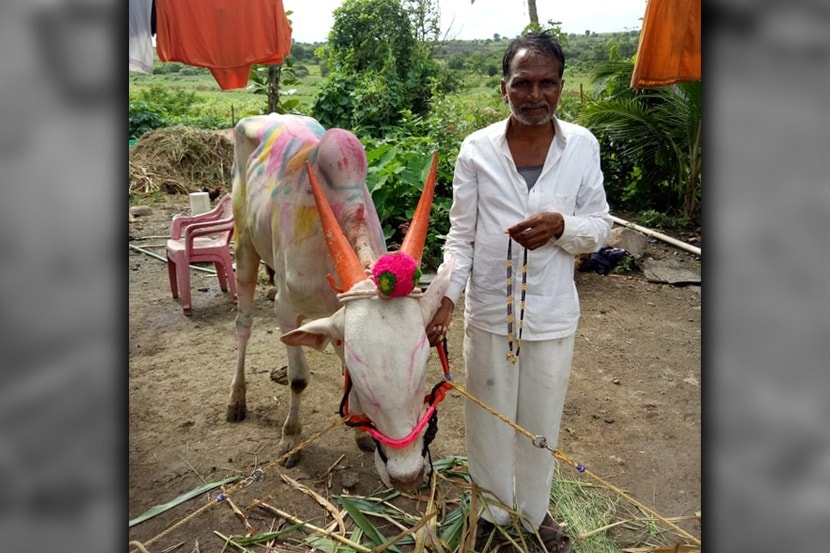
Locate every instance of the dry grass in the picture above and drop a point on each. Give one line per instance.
(443, 519)
(180, 160)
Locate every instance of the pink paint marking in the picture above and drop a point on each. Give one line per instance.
(353, 354)
(367, 386)
(372, 396)
(418, 347)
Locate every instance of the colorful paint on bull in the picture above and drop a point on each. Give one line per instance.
(278, 214)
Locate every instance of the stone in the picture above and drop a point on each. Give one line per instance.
(140, 210)
(349, 479)
(629, 240)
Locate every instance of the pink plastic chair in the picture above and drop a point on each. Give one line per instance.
(203, 238)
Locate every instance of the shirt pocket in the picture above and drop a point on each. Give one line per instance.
(564, 204)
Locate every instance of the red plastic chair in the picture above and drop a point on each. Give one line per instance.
(203, 238)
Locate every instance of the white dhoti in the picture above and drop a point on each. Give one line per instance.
(531, 392)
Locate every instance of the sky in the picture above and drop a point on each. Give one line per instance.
(312, 19)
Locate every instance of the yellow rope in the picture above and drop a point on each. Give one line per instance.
(242, 483)
(336, 422)
(562, 457)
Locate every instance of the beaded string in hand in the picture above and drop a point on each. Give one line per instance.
(510, 355)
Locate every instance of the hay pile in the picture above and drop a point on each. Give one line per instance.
(180, 160)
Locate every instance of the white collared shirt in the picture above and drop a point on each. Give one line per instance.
(489, 195)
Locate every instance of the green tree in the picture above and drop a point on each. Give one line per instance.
(426, 19)
(378, 67)
(657, 130)
(266, 79)
(534, 15)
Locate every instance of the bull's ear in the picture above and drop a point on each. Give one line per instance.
(317, 333)
(431, 299)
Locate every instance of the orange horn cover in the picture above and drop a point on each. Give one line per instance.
(416, 236)
(348, 266)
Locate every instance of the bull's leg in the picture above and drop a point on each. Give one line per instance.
(298, 374)
(247, 266)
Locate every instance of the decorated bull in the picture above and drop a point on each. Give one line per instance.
(301, 206)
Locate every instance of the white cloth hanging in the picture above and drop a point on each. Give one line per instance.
(141, 42)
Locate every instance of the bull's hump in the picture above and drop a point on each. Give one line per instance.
(341, 159)
(284, 145)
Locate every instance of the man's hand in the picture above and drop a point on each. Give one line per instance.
(440, 323)
(538, 230)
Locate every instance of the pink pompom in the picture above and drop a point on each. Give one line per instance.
(395, 275)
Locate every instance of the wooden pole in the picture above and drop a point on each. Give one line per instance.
(660, 236)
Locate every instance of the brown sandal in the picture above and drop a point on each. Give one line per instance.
(553, 538)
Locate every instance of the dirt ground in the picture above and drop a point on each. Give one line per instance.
(632, 414)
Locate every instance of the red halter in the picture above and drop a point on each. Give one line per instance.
(432, 400)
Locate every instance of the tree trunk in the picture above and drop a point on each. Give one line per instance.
(531, 8)
(694, 169)
(273, 87)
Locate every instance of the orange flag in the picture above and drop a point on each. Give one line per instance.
(226, 36)
(669, 49)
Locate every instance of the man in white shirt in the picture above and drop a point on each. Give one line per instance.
(530, 188)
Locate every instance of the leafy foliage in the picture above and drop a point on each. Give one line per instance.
(378, 67)
(384, 75)
(267, 79)
(158, 106)
(145, 117)
(397, 172)
(651, 141)
(399, 163)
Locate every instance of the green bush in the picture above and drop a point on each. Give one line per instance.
(396, 177)
(168, 101)
(399, 163)
(378, 69)
(334, 104)
(168, 67)
(144, 117)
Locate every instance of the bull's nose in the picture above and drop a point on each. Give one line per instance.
(407, 484)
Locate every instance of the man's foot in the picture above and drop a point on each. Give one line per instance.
(484, 529)
(553, 537)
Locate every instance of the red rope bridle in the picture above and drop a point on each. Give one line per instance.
(430, 416)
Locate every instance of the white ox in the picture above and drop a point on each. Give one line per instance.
(381, 340)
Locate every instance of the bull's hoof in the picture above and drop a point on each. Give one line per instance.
(364, 441)
(271, 294)
(236, 412)
(292, 460)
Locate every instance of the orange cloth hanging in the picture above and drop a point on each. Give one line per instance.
(669, 49)
(226, 36)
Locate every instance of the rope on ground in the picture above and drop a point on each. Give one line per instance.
(243, 483)
(564, 458)
(160, 258)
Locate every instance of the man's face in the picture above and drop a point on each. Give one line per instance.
(532, 88)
